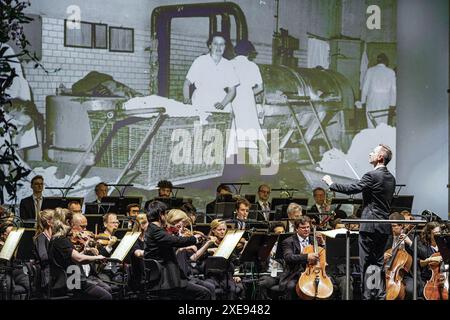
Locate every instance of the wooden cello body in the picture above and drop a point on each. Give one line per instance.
(314, 282)
(435, 288)
(395, 268)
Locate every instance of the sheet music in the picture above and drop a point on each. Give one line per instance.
(228, 243)
(125, 246)
(11, 244)
(335, 232)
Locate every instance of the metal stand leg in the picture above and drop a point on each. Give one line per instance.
(347, 266)
(415, 268)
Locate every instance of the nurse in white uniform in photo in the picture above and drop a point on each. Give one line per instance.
(246, 130)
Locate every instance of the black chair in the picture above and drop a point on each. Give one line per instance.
(153, 272)
(57, 288)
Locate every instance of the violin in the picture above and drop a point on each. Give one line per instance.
(395, 268)
(105, 239)
(314, 282)
(437, 287)
(83, 241)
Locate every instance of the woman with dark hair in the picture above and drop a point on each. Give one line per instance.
(246, 123)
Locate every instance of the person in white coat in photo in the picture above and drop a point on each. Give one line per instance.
(379, 91)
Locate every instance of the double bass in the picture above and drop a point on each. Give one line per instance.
(314, 282)
(395, 268)
(437, 287)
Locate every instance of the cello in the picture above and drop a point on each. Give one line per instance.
(395, 268)
(437, 287)
(314, 282)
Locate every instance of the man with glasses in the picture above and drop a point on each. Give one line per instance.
(31, 206)
(263, 200)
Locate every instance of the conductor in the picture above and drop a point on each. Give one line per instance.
(377, 187)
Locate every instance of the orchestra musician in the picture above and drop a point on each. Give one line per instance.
(101, 191)
(160, 246)
(191, 211)
(137, 274)
(165, 188)
(107, 243)
(377, 187)
(426, 247)
(41, 240)
(403, 241)
(177, 220)
(222, 191)
(275, 268)
(63, 255)
(263, 203)
(132, 212)
(18, 280)
(319, 206)
(30, 206)
(294, 258)
(74, 207)
(294, 212)
(233, 287)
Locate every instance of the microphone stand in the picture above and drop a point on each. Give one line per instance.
(64, 190)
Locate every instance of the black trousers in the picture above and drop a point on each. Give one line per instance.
(372, 246)
(193, 291)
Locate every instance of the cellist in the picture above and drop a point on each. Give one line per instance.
(426, 247)
(294, 258)
(403, 241)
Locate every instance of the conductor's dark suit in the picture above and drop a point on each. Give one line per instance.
(377, 187)
(27, 208)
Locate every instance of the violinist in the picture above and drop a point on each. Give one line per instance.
(320, 205)
(177, 220)
(160, 246)
(20, 281)
(83, 241)
(191, 211)
(294, 258)
(107, 243)
(41, 240)
(62, 255)
(108, 240)
(137, 253)
(403, 241)
(234, 288)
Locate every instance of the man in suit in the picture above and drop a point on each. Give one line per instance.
(377, 187)
(31, 206)
(101, 191)
(319, 205)
(294, 258)
(241, 214)
(263, 203)
(160, 246)
(222, 193)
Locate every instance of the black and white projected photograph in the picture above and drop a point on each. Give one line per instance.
(213, 150)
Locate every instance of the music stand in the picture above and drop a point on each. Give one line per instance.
(172, 202)
(281, 237)
(258, 247)
(335, 253)
(286, 201)
(400, 203)
(59, 202)
(121, 203)
(94, 208)
(25, 248)
(225, 210)
(94, 220)
(202, 227)
(250, 197)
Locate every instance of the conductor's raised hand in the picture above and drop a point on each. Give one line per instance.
(327, 179)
